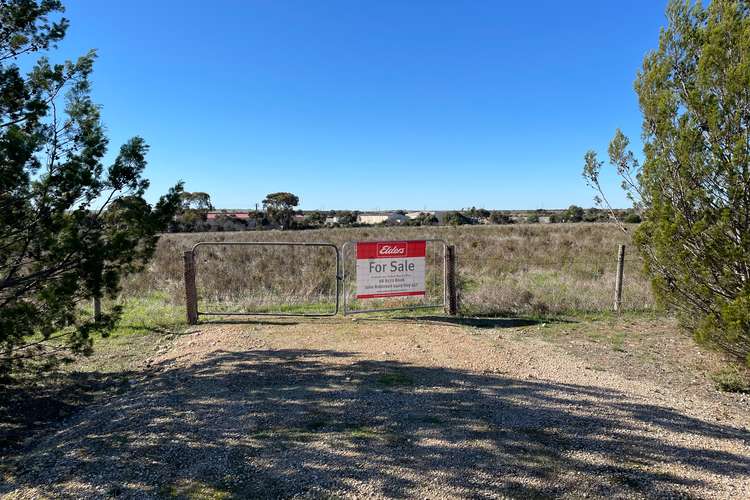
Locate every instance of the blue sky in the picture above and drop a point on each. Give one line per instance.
(369, 105)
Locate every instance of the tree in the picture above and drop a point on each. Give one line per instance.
(478, 213)
(347, 218)
(315, 218)
(279, 208)
(693, 188)
(456, 219)
(500, 218)
(574, 213)
(194, 208)
(426, 219)
(69, 227)
(632, 218)
(196, 201)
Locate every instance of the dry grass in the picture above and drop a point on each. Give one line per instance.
(518, 269)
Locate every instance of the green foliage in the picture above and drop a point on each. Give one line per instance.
(456, 219)
(193, 209)
(500, 218)
(425, 219)
(532, 219)
(70, 227)
(347, 218)
(632, 218)
(478, 213)
(574, 213)
(315, 218)
(279, 208)
(694, 186)
(731, 379)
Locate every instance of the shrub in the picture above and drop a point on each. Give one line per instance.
(500, 218)
(694, 185)
(731, 379)
(632, 218)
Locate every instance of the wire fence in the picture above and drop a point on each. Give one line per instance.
(303, 279)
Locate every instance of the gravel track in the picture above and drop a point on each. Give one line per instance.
(373, 409)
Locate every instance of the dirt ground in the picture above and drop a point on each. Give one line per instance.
(435, 408)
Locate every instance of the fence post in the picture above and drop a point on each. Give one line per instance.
(618, 279)
(191, 296)
(97, 305)
(450, 280)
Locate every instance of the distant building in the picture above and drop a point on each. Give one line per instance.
(330, 221)
(416, 215)
(381, 217)
(235, 214)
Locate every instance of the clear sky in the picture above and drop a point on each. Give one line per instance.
(369, 104)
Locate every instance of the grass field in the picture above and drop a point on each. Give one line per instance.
(512, 269)
(538, 389)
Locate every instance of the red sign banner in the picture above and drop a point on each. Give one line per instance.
(390, 249)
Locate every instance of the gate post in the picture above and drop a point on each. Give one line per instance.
(618, 277)
(451, 299)
(191, 295)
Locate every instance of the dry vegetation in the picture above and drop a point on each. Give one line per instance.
(512, 269)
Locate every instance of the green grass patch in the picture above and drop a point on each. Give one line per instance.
(305, 308)
(153, 313)
(285, 434)
(395, 379)
(192, 489)
(363, 433)
(618, 341)
(732, 379)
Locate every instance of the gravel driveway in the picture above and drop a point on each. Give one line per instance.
(385, 409)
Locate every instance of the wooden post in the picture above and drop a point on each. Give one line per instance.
(97, 305)
(618, 279)
(450, 281)
(191, 295)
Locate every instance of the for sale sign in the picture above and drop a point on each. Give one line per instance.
(390, 269)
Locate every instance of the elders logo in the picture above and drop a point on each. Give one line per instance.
(392, 249)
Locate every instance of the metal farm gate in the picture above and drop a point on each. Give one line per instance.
(440, 288)
(191, 291)
(437, 253)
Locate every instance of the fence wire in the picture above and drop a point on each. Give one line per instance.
(266, 279)
(434, 286)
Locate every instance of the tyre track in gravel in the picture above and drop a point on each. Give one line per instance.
(374, 409)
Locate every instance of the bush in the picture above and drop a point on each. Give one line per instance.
(693, 188)
(632, 218)
(500, 218)
(456, 219)
(731, 379)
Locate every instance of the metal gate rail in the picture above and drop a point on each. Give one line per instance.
(449, 303)
(444, 304)
(265, 243)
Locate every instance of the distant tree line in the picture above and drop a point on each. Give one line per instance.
(279, 212)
